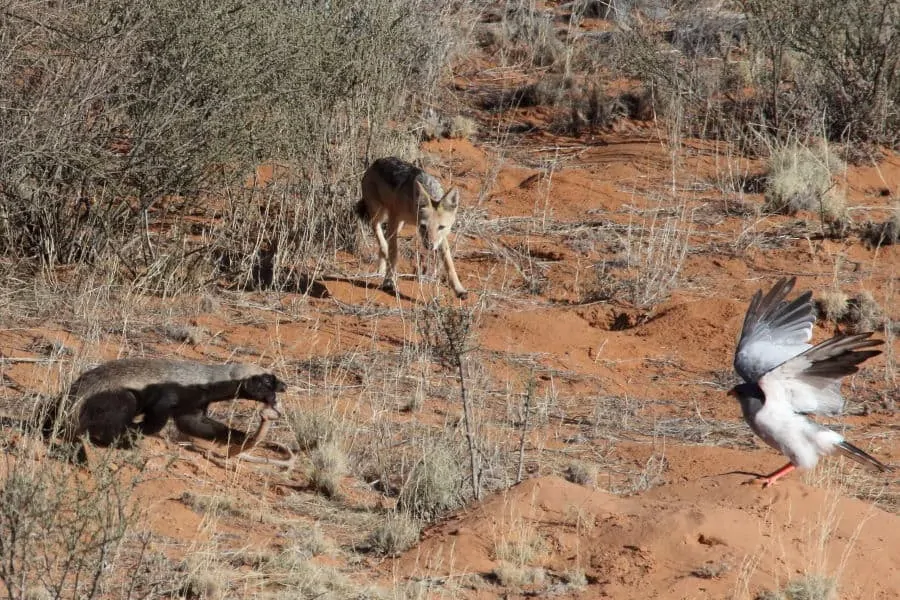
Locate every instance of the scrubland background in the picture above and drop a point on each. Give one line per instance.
(177, 179)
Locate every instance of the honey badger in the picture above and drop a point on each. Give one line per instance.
(106, 402)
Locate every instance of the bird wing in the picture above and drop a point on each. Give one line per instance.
(774, 330)
(810, 382)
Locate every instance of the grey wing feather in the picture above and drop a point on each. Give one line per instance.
(811, 381)
(774, 330)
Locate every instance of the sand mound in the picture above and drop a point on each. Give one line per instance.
(710, 535)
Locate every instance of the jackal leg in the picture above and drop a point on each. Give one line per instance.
(451, 271)
(377, 227)
(390, 276)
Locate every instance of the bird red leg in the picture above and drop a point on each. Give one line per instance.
(771, 478)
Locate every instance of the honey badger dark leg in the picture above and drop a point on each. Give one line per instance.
(191, 418)
(107, 417)
(157, 413)
(198, 424)
(189, 404)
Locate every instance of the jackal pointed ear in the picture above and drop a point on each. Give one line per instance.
(423, 193)
(450, 201)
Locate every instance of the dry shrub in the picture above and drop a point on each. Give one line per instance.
(396, 534)
(836, 80)
(515, 576)
(458, 127)
(800, 178)
(615, 10)
(61, 528)
(703, 96)
(435, 484)
(784, 68)
(808, 587)
(120, 120)
(864, 314)
(461, 127)
(548, 91)
(859, 313)
(524, 35)
(582, 473)
(834, 305)
(312, 427)
(886, 233)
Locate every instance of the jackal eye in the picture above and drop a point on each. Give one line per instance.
(440, 227)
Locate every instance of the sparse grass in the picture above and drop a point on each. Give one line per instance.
(289, 574)
(655, 251)
(808, 587)
(312, 427)
(711, 570)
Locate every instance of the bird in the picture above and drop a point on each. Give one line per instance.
(786, 379)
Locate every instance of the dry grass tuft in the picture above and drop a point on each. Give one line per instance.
(859, 313)
(435, 484)
(575, 578)
(834, 305)
(799, 179)
(312, 428)
(205, 585)
(886, 233)
(329, 465)
(711, 570)
(808, 587)
(396, 534)
(461, 127)
(514, 576)
(582, 473)
(864, 314)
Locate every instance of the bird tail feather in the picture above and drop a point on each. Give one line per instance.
(851, 451)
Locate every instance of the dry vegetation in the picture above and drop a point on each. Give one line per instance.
(177, 179)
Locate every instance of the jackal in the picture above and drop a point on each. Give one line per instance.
(395, 191)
